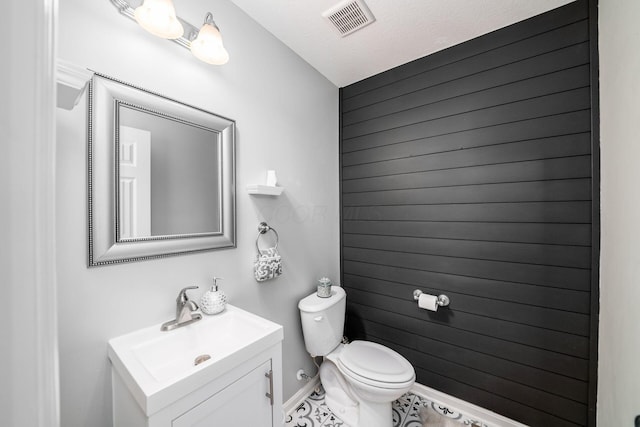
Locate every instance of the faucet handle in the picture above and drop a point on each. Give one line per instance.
(182, 296)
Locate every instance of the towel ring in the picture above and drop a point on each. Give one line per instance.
(262, 229)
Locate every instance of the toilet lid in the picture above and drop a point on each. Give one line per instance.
(376, 362)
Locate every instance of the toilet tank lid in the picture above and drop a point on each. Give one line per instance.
(313, 303)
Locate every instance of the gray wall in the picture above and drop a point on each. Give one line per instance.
(619, 346)
(469, 172)
(286, 116)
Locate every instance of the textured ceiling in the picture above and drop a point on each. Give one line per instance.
(404, 30)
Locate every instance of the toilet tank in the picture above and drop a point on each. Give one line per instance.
(323, 321)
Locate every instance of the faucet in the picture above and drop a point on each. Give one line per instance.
(185, 311)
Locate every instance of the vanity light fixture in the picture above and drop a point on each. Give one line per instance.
(207, 45)
(159, 18)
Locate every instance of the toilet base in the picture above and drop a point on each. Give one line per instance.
(373, 414)
(344, 402)
(365, 414)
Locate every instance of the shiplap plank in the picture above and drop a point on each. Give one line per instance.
(569, 57)
(542, 401)
(554, 212)
(536, 46)
(559, 277)
(465, 390)
(549, 84)
(532, 27)
(554, 384)
(547, 105)
(563, 364)
(531, 191)
(542, 317)
(550, 234)
(406, 280)
(538, 127)
(454, 156)
(534, 170)
(558, 341)
(563, 256)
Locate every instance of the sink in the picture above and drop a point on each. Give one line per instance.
(159, 367)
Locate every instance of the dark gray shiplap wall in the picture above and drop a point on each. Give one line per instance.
(469, 172)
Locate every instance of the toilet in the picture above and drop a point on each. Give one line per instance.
(360, 378)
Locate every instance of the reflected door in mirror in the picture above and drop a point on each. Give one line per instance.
(135, 183)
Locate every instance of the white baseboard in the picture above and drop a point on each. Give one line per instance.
(468, 409)
(294, 401)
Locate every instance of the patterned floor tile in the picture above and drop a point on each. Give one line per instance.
(313, 412)
(412, 419)
(301, 416)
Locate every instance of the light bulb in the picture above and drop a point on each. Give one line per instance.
(208, 46)
(159, 18)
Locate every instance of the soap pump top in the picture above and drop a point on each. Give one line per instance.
(214, 300)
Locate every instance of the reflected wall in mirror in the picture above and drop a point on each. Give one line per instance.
(162, 175)
(168, 176)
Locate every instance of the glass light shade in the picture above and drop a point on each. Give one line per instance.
(159, 18)
(208, 46)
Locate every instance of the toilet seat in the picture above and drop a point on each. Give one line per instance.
(375, 365)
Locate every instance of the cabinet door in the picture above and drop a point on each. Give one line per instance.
(241, 404)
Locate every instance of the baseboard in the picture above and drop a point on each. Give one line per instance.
(469, 410)
(294, 401)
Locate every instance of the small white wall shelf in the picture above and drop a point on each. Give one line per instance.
(264, 190)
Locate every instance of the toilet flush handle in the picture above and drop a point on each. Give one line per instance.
(317, 319)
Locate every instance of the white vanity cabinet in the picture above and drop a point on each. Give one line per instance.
(243, 403)
(240, 388)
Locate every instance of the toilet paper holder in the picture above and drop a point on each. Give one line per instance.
(442, 301)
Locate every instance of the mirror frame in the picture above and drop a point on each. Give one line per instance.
(104, 97)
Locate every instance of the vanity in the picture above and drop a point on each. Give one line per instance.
(224, 370)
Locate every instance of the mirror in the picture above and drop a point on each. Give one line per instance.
(161, 173)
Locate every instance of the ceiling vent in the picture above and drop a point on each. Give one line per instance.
(349, 16)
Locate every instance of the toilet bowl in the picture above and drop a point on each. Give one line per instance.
(370, 376)
(361, 379)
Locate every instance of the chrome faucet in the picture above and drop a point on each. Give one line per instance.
(185, 311)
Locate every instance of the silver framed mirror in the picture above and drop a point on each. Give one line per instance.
(161, 175)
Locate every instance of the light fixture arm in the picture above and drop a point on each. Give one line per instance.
(125, 8)
(208, 19)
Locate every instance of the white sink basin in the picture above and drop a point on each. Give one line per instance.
(159, 367)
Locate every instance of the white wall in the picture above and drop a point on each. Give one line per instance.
(28, 338)
(619, 342)
(286, 115)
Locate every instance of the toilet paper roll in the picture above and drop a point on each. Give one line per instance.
(428, 302)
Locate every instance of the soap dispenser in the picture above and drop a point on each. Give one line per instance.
(214, 300)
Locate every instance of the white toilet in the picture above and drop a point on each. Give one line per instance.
(361, 378)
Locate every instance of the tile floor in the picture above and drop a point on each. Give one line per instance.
(313, 412)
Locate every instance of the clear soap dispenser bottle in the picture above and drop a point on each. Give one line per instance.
(214, 300)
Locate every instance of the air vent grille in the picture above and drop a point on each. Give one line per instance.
(349, 16)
